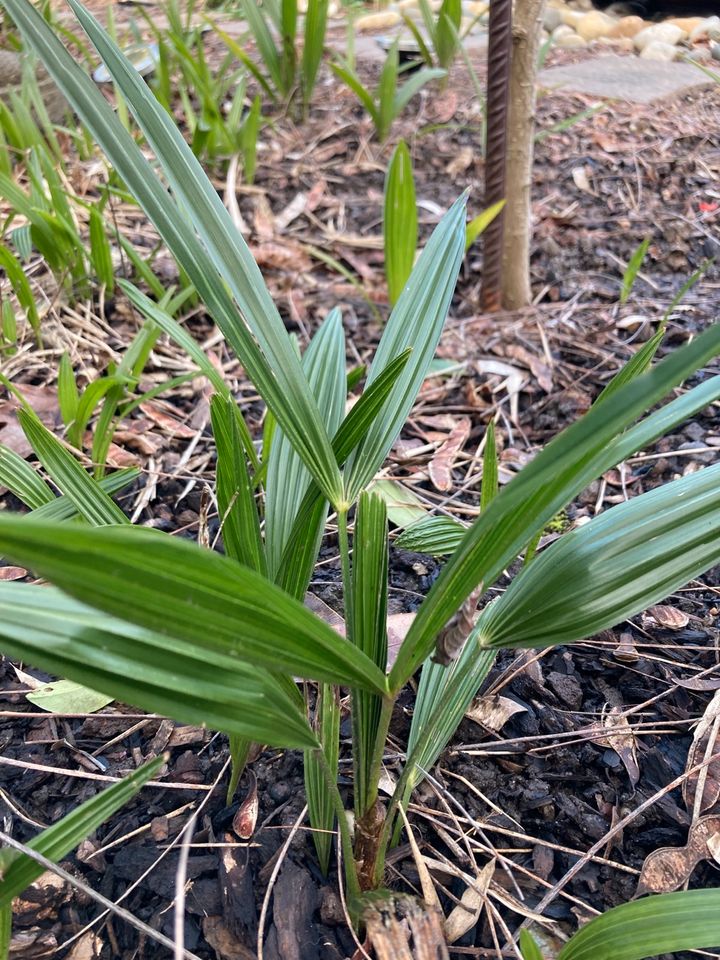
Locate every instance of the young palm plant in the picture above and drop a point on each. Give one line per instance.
(220, 640)
(387, 101)
(287, 70)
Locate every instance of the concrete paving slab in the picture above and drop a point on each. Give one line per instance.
(625, 78)
(368, 49)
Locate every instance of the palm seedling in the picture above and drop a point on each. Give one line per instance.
(221, 640)
(287, 69)
(387, 101)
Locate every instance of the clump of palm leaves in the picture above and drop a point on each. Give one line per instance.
(220, 640)
(387, 101)
(289, 64)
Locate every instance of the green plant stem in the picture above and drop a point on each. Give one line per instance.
(370, 801)
(397, 798)
(388, 702)
(351, 878)
(344, 545)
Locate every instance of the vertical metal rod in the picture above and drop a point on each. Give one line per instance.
(498, 85)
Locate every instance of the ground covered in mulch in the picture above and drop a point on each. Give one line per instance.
(568, 761)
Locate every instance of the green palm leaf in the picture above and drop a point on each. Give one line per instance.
(256, 333)
(688, 920)
(558, 473)
(623, 561)
(173, 587)
(185, 680)
(57, 841)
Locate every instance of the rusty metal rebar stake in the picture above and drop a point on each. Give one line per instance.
(497, 88)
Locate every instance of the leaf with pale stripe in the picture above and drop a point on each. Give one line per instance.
(57, 841)
(545, 485)
(668, 923)
(187, 680)
(88, 497)
(174, 587)
(416, 321)
(258, 335)
(624, 560)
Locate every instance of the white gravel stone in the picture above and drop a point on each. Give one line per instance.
(378, 21)
(657, 50)
(661, 32)
(571, 40)
(552, 18)
(708, 29)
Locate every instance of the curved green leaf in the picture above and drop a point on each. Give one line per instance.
(436, 536)
(417, 321)
(222, 260)
(172, 586)
(399, 221)
(19, 477)
(57, 841)
(88, 497)
(240, 523)
(670, 922)
(413, 85)
(172, 677)
(623, 561)
(287, 478)
(544, 486)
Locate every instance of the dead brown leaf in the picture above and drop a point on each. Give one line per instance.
(441, 465)
(42, 399)
(245, 819)
(282, 256)
(443, 109)
(263, 219)
(398, 625)
(88, 947)
(493, 711)
(617, 734)
(460, 162)
(465, 915)
(699, 683)
(704, 744)
(668, 617)
(668, 868)
(539, 369)
(158, 412)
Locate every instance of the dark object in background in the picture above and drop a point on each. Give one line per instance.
(659, 9)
